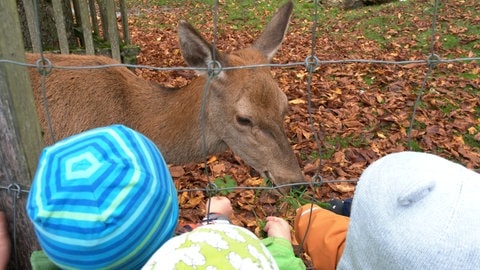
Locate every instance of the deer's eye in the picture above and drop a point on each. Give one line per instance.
(243, 121)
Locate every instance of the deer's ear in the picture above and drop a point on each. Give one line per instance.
(271, 38)
(196, 51)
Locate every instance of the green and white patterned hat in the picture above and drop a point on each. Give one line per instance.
(215, 246)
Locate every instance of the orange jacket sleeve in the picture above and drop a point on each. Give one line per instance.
(325, 239)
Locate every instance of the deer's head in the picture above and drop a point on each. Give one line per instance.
(244, 106)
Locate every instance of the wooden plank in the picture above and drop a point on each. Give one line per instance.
(125, 29)
(20, 137)
(86, 27)
(93, 15)
(103, 16)
(17, 84)
(112, 29)
(32, 29)
(60, 24)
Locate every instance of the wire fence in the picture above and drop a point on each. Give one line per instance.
(310, 65)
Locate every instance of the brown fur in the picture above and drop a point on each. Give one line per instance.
(81, 99)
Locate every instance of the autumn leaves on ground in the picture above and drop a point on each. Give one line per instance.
(361, 111)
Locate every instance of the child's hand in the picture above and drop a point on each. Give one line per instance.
(220, 205)
(278, 227)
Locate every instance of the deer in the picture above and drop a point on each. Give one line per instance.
(244, 108)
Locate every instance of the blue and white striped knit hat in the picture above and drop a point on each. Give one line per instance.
(102, 199)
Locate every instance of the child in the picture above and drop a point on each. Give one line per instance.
(219, 209)
(410, 211)
(220, 245)
(101, 199)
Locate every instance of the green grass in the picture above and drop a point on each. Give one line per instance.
(226, 183)
(375, 28)
(461, 34)
(333, 144)
(450, 41)
(469, 76)
(422, 41)
(419, 125)
(413, 146)
(449, 108)
(470, 140)
(245, 13)
(473, 90)
(369, 79)
(313, 155)
(298, 197)
(251, 14)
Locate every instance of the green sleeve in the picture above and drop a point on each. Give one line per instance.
(40, 261)
(282, 251)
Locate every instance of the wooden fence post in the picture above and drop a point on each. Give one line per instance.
(29, 12)
(86, 27)
(112, 30)
(20, 138)
(60, 25)
(124, 16)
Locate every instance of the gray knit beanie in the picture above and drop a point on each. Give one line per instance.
(414, 211)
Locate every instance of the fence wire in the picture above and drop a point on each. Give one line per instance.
(311, 65)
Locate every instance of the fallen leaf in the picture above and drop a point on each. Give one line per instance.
(218, 168)
(297, 101)
(176, 171)
(342, 187)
